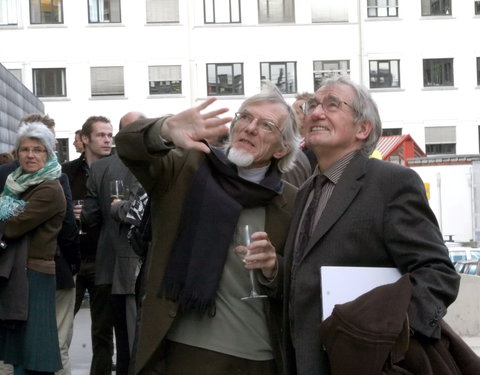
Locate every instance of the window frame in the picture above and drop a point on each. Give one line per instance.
(388, 132)
(218, 83)
(234, 17)
(375, 8)
(111, 84)
(378, 85)
(97, 5)
(42, 19)
(271, 64)
(170, 87)
(288, 6)
(59, 83)
(343, 68)
(437, 146)
(445, 8)
(438, 64)
(478, 71)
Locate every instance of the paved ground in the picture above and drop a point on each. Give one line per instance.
(81, 348)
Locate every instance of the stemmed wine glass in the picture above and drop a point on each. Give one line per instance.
(116, 189)
(244, 238)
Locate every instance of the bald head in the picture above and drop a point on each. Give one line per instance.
(130, 117)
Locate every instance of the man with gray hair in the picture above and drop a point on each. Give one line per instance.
(193, 319)
(357, 211)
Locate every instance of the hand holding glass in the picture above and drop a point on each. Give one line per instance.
(244, 238)
(116, 189)
(78, 202)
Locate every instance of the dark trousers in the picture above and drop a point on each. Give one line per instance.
(183, 359)
(119, 308)
(101, 314)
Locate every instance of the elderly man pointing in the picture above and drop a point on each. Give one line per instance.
(193, 318)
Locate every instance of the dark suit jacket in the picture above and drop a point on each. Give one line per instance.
(378, 215)
(168, 179)
(115, 262)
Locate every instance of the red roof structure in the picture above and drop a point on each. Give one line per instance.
(399, 148)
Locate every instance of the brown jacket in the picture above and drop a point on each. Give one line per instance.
(41, 220)
(371, 335)
(168, 179)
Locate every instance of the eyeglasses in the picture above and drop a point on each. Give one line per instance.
(35, 150)
(266, 126)
(330, 104)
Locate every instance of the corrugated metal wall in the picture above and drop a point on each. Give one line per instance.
(16, 101)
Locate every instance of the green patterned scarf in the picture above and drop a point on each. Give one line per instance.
(18, 182)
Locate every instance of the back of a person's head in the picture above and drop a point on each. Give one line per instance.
(6, 157)
(38, 117)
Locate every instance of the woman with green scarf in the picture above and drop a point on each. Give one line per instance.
(32, 205)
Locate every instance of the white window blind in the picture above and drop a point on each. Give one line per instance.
(329, 11)
(440, 134)
(162, 11)
(8, 12)
(165, 73)
(107, 80)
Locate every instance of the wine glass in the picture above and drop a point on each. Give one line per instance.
(116, 189)
(79, 202)
(244, 238)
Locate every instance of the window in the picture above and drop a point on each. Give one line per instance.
(477, 7)
(221, 11)
(437, 72)
(8, 12)
(162, 11)
(225, 79)
(272, 11)
(384, 73)
(62, 150)
(165, 79)
(329, 11)
(328, 68)
(49, 82)
(391, 131)
(282, 74)
(440, 140)
(436, 7)
(100, 11)
(478, 71)
(46, 11)
(382, 8)
(107, 80)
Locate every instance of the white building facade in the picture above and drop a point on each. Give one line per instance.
(420, 58)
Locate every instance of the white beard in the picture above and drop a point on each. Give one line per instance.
(240, 158)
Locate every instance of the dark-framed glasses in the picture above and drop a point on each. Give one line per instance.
(266, 126)
(330, 104)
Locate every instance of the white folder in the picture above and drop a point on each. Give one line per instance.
(344, 284)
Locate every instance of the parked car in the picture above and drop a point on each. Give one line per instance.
(468, 267)
(458, 253)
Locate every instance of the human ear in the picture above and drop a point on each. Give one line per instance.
(364, 130)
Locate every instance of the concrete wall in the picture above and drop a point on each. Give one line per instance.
(464, 314)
